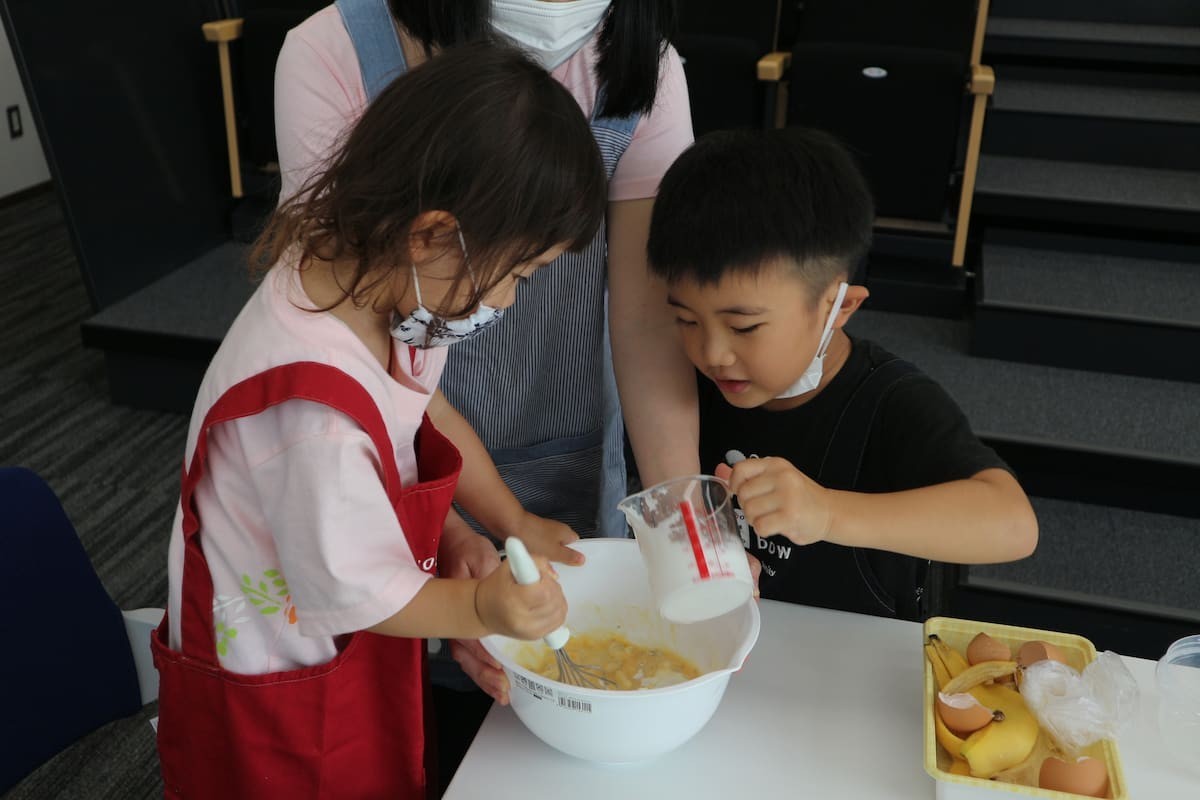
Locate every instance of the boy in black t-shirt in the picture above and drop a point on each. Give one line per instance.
(862, 469)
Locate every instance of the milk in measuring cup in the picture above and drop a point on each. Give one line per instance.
(688, 537)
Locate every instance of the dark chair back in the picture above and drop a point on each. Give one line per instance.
(947, 25)
(888, 78)
(897, 109)
(67, 666)
(266, 26)
(720, 45)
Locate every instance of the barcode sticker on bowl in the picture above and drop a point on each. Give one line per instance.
(574, 703)
(539, 690)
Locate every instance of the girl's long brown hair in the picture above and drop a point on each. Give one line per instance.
(480, 132)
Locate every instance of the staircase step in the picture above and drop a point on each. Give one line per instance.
(158, 341)
(1088, 193)
(1088, 310)
(1108, 102)
(1084, 40)
(1093, 285)
(1115, 124)
(1071, 434)
(1118, 558)
(1142, 12)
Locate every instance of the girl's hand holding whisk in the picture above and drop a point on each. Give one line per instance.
(521, 612)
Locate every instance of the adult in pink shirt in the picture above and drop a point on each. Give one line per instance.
(550, 417)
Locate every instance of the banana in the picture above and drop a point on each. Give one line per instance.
(960, 767)
(1026, 773)
(955, 661)
(1001, 744)
(941, 676)
(946, 737)
(980, 673)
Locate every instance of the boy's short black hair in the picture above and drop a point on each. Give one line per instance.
(740, 200)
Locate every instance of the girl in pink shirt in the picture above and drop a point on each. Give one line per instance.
(308, 559)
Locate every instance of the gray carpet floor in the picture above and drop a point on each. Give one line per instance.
(116, 471)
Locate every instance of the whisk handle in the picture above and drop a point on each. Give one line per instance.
(520, 562)
(526, 572)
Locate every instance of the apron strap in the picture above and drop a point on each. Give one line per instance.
(843, 456)
(904, 577)
(305, 380)
(376, 42)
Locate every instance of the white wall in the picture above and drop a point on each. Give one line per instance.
(21, 161)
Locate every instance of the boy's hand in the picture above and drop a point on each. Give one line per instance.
(548, 538)
(778, 498)
(521, 612)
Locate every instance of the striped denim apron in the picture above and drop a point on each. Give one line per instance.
(538, 387)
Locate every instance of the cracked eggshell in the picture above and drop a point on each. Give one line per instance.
(985, 648)
(1087, 776)
(962, 713)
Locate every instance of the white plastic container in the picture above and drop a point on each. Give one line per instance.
(688, 535)
(1177, 678)
(610, 593)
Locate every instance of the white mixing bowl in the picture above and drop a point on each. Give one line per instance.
(611, 593)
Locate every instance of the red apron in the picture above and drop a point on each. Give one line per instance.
(356, 727)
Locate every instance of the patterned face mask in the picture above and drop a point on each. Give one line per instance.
(424, 329)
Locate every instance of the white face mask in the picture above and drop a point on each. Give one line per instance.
(422, 328)
(811, 378)
(550, 32)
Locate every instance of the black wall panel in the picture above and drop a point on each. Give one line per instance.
(127, 99)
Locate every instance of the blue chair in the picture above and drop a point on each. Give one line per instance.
(72, 660)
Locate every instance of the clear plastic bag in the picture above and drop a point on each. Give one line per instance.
(1079, 710)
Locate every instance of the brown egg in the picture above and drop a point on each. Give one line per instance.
(1033, 652)
(985, 648)
(1087, 776)
(962, 713)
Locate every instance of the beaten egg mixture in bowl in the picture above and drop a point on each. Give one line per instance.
(613, 662)
(670, 678)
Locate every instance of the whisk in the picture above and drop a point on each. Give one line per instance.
(526, 572)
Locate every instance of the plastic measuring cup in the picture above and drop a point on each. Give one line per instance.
(688, 536)
(1177, 678)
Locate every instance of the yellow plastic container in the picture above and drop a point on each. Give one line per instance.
(958, 633)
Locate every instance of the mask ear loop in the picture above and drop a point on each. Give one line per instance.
(417, 286)
(437, 326)
(827, 334)
(462, 242)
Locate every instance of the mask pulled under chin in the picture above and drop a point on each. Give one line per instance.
(550, 32)
(811, 378)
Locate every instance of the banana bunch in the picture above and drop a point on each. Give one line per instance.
(1000, 743)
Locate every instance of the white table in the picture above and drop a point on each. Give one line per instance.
(828, 706)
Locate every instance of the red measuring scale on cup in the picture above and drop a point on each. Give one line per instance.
(688, 536)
